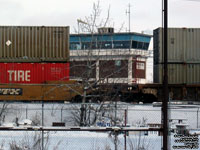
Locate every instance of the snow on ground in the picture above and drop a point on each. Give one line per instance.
(87, 141)
(80, 140)
(92, 140)
(136, 113)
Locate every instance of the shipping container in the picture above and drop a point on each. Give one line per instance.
(178, 73)
(183, 45)
(51, 91)
(34, 44)
(32, 73)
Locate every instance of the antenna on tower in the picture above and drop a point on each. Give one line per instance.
(128, 12)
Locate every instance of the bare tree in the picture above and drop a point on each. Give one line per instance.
(87, 64)
(139, 142)
(36, 119)
(33, 141)
(3, 111)
(97, 113)
(2, 144)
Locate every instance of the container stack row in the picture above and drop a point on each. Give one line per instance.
(183, 55)
(33, 54)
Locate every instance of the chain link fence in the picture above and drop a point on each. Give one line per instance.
(76, 140)
(113, 126)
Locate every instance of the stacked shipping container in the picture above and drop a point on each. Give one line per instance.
(183, 55)
(33, 55)
(31, 73)
(34, 44)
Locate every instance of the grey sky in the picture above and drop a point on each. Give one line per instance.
(145, 14)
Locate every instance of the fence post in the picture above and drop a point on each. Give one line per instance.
(26, 113)
(42, 125)
(197, 117)
(61, 114)
(125, 123)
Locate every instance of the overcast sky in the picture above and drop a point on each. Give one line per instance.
(145, 14)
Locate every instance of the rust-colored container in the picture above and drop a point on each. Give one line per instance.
(32, 73)
(34, 44)
(51, 91)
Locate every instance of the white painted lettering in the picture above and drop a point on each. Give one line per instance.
(10, 91)
(19, 75)
(14, 91)
(5, 91)
(27, 75)
(15, 76)
(10, 74)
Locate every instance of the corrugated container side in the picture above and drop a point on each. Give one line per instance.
(156, 46)
(183, 45)
(34, 44)
(193, 73)
(176, 45)
(193, 45)
(156, 74)
(34, 92)
(178, 73)
(31, 73)
(56, 72)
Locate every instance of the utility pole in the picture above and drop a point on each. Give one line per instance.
(129, 17)
(165, 82)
